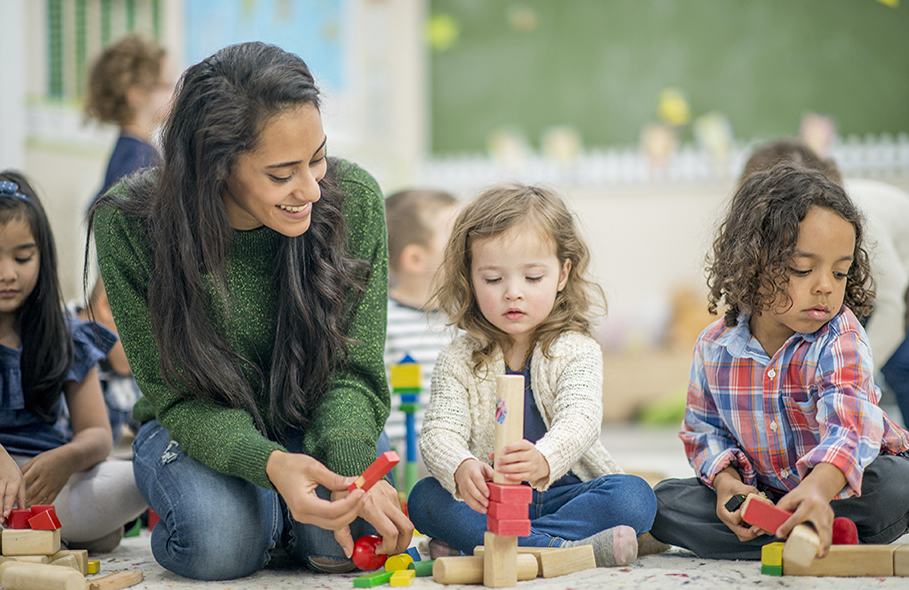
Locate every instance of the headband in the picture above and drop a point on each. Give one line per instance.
(11, 189)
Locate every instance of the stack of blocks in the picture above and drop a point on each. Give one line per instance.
(797, 556)
(406, 380)
(32, 558)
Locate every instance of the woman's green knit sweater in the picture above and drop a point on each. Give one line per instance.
(352, 413)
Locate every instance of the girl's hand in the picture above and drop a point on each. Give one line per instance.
(45, 475)
(12, 486)
(727, 484)
(382, 510)
(521, 461)
(296, 477)
(470, 478)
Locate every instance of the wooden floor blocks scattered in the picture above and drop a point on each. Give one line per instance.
(879, 561)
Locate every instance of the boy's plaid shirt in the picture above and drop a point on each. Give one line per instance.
(776, 418)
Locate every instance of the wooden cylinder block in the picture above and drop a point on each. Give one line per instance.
(29, 576)
(468, 569)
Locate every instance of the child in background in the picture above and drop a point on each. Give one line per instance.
(419, 223)
(46, 357)
(130, 86)
(781, 399)
(515, 280)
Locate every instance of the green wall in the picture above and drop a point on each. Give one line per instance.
(600, 65)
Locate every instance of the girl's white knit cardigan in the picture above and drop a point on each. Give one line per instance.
(567, 387)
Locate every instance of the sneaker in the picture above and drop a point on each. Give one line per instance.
(331, 565)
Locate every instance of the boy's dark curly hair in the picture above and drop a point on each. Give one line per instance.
(749, 266)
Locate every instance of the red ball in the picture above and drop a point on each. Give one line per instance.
(364, 553)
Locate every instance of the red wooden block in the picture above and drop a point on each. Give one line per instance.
(37, 509)
(45, 521)
(18, 519)
(763, 514)
(508, 528)
(844, 532)
(503, 511)
(153, 519)
(510, 494)
(375, 472)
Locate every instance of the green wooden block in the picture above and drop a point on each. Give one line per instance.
(772, 570)
(410, 408)
(423, 568)
(135, 530)
(374, 579)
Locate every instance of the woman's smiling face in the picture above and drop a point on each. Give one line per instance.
(277, 183)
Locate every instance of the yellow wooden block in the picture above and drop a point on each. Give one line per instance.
(406, 376)
(772, 554)
(397, 563)
(402, 577)
(94, 566)
(30, 542)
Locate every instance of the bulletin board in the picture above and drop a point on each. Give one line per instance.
(600, 65)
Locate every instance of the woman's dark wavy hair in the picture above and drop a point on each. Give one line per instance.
(220, 108)
(749, 267)
(47, 344)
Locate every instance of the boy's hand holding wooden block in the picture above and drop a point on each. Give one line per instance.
(803, 543)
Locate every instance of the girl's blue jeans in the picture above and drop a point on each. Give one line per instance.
(565, 513)
(215, 526)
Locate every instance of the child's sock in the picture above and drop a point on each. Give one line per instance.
(615, 546)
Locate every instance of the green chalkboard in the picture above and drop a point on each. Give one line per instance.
(600, 66)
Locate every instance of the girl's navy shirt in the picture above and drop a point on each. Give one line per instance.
(21, 431)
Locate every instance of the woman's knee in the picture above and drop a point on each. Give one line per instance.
(422, 500)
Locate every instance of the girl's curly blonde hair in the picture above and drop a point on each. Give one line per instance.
(492, 214)
(749, 266)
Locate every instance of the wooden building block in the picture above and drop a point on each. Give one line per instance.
(94, 566)
(500, 561)
(567, 560)
(70, 561)
(848, 561)
(762, 513)
(18, 519)
(375, 472)
(771, 570)
(801, 546)
(508, 528)
(503, 511)
(153, 519)
(509, 418)
(406, 376)
(421, 568)
(535, 551)
(468, 569)
(81, 556)
(46, 520)
(116, 580)
(402, 577)
(374, 579)
(37, 509)
(29, 576)
(509, 493)
(901, 560)
(398, 562)
(33, 559)
(29, 542)
(772, 554)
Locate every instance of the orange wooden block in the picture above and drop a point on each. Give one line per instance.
(508, 528)
(502, 511)
(45, 521)
(509, 493)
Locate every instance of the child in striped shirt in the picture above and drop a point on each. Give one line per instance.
(781, 399)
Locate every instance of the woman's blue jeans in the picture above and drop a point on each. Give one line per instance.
(565, 513)
(215, 526)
